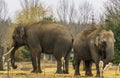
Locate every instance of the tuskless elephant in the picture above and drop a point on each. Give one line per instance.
(43, 37)
(93, 45)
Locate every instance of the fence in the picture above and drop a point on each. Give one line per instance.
(1, 53)
(45, 74)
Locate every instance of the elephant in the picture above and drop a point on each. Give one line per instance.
(92, 45)
(43, 37)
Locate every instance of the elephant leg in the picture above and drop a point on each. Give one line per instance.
(58, 55)
(83, 65)
(12, 55)
(39, 67)
(97, 69)
(59, 65)
(88, 65)
(66, 66)
(77, 64)
(33, 58)
(73, 64)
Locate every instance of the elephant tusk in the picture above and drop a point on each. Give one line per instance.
(63, 63)
(8, 52)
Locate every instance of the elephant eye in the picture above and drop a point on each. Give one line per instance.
(15, 36)
(104, 43)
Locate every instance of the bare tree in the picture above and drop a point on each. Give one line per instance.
(113, 11)
(3, 31)
(66, 11)
(85, 12)
(3, 19)
(62, 11)
(32, 11)
(72, 13)
(3, 10)
(76, 17)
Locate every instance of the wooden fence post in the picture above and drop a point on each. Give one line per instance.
(1, 54)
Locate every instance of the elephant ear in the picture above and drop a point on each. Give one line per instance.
(110, 31)
(99, 36)
(97, 40)
(22, 32)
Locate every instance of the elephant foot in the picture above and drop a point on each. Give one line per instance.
(36, 71)
(65, 72)
(97, 75)
(33, 71)
(73, 66)
(14, 66)
(101, 77)
(88, 74)
(39, 71)
(59, 72)
(77, 74)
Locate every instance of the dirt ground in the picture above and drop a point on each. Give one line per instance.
(49, 68)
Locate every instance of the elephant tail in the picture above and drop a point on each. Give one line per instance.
(69, 50)
(66, 55)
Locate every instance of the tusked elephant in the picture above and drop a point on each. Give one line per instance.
(43, 37)
(93, 45)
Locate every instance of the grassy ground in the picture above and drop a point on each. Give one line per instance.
(24, 68)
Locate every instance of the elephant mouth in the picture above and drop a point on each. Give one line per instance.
(102, 52)
(18, 44)
(103, 55)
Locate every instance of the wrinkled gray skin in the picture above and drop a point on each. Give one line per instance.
(93, 45)
(43, 37)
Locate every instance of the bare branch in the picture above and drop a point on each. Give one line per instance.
(113, 11)
(62, 10)
(3, 10)
(72, 13)
(85, 12)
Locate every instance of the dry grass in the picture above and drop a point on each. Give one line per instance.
(24, 69)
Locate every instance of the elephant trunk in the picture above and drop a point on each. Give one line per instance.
(109, 54)
(12, 55)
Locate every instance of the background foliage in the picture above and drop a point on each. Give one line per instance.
(76, 19)
(113, 22)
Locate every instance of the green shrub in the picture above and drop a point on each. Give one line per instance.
(116, 30)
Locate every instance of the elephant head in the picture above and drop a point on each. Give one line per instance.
(19, 36)
(104, 42)
(19, 39)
